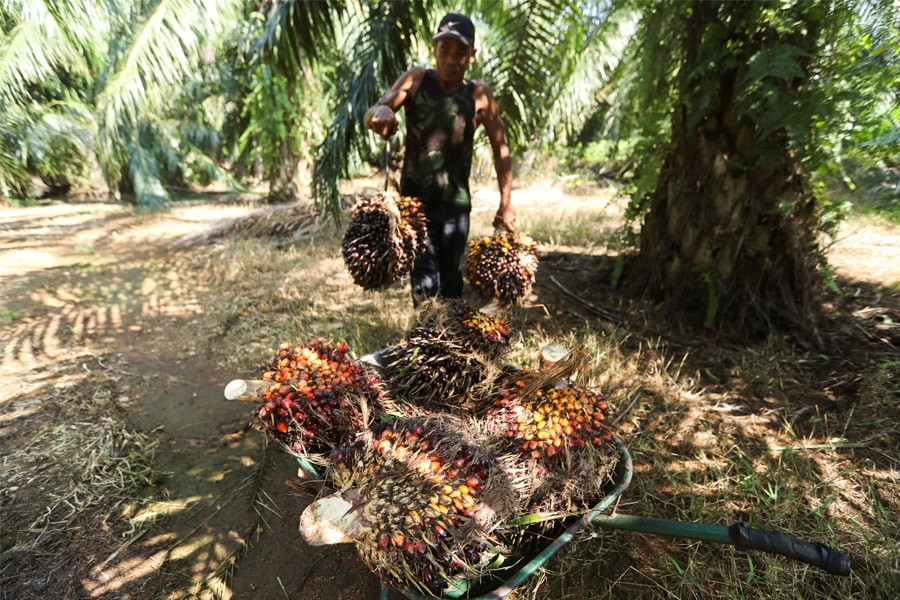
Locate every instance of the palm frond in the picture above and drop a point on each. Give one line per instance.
(379, 52)
(531, 50)
(54, 129)
(589, 78)
(143, 170)
(293, 31)
(45, 141)
(86, 25)
(14, 175)
(163, 50)
(33, 51)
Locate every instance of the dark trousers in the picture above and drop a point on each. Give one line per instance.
(438, 272)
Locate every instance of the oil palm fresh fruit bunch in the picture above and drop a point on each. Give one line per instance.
(553, 420)
(385, 235)
(421, 498)
(502, 266)
(471, 328)
(319, 397)
(448, 359)
(482, 331)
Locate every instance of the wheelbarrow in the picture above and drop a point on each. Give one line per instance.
(503, 580)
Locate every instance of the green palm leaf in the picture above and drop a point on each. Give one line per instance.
(162, 51)
(295, 31)
(377, 54)
(33, 46)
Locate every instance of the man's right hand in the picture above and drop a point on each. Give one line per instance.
(382, 120)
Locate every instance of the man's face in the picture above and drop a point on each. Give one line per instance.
(452, 58)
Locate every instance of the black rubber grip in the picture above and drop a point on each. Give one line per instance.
(775, 542)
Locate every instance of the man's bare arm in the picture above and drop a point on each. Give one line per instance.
(381, 117)
(486, 108)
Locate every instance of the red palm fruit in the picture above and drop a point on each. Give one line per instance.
(322, 404)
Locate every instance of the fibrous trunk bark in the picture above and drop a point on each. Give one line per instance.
(730, 228)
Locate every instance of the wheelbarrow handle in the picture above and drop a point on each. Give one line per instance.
(738, 535)
(775, 542)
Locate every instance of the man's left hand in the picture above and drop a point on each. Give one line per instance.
(505, 219)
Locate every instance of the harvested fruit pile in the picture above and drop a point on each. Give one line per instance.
(318, 398)
(385, 235)
(441, 461)
(502, 266)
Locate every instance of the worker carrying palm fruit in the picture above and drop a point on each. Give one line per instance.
(443, 109)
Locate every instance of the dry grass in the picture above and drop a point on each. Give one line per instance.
(71, 471)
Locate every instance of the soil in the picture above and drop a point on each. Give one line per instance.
(98, 290)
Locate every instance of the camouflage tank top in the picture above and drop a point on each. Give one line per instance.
(440, 127)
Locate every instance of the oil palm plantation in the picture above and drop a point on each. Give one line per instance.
(116, 84)
(731, 109)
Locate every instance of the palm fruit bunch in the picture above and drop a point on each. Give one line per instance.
(386, 234)
(472, 328)
(502, 266)
(552, 420)
(448, 358)
(319, 397)
(424, 500)
(560, 425)
(414, 224)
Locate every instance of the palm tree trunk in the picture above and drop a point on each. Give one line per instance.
(290, 178)
(730, 226)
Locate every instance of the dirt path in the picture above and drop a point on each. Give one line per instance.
(93, 303)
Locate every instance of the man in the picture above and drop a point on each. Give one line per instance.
(443, 109)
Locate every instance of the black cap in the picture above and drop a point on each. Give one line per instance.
(456, 26)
